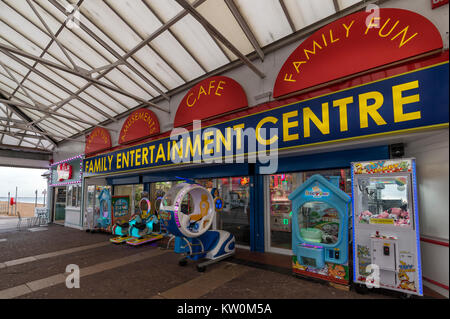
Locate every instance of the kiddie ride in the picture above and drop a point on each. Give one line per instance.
(187, 211)
(139, 229)
(320, 230)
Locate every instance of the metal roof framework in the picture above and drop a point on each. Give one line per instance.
(67, 66)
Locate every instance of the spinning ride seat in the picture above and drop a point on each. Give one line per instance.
(190, 229)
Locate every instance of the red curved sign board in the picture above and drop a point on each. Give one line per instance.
(356, 43)
(140, 124)
(98, 140)
(210, 97)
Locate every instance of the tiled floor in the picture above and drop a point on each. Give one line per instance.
(33, 265)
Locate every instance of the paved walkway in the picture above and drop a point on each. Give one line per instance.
(8, 223)
(33, 265)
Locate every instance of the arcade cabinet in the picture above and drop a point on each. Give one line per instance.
(386, 247)
(320, 212)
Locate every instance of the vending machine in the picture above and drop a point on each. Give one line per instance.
(386, 248)
(320, 245)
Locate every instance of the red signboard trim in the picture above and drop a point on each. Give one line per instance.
(403, 68)
(209, 98)
(98, 140)
(140, 124)
(354, 44)
(438, 3)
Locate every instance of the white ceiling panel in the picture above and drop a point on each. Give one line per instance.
(143, 48)
(306, 12)
(266, 19)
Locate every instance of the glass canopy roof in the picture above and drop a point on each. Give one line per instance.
(67, 66)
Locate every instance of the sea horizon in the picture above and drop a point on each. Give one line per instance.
(24, 199)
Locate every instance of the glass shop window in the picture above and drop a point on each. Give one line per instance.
(235, 215)
(157, 192)
(318, 223)
(127, 190)
(73, 198)
(280, 187)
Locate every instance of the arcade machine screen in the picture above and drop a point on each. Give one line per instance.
(318, 223)
(384, 199)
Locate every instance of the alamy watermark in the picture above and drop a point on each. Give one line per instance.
(213, 145)
(73, 279)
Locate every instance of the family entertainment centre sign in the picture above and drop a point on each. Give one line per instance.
(403, 103)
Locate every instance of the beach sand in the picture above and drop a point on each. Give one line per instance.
(25, 209)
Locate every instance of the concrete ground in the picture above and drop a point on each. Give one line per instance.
(33, 265)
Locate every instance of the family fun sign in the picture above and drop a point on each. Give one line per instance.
(356, 43)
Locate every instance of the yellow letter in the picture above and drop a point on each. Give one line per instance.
(137, 157)
(207, 141)
(287, 125)
(392, 29)
(342, 103)
(238, 128)
(289, 79)
(314, 49)
(261, 140)
(209, 86)
(323, 126)
(399, 101)
(297, 66)
(219, 87)
(119, 159)
(144, 156)
(348, 29)
(366, 110)
(160, 153)
(187, 100)
(151, 148)
(402, 42)
(220, 138)
(371, 25)
(177, 147)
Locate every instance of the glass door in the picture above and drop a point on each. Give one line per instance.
(235, 215)
(60, 205)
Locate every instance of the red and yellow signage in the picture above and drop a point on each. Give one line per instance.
(356, 43)
(140, 124)
(212, 96)
(98, 140)
(437, 3)
(64, 171)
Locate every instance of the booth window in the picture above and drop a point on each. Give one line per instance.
(73, 198)
(134, 192)
(281, 186)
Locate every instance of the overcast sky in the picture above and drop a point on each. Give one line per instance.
(27, 181)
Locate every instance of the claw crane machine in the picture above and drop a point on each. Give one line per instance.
(386, 248)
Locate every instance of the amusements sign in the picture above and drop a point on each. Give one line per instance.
(212, 96)
(140, 124)
(375, 38)
(402, 103)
